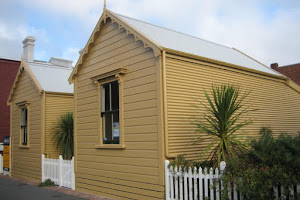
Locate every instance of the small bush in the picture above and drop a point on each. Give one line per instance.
(269, 162)
(47, 183)
(180, 161)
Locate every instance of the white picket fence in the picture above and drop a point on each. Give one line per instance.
(1, 164)
(60, 171)
(199, 184)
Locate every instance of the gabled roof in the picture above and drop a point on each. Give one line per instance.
(159, 38)
(47, 77)
(53, 78)
(178, 41)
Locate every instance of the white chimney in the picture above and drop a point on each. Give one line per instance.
(28, 49)
(61, 62)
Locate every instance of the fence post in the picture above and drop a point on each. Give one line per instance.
(43, 167)
(60, 168)
(73, 174)
(222, 167)
(190, 184)
(167, 176)
(211, 184)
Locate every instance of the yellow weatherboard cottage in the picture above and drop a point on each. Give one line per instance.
(39, 96)
(135, 84)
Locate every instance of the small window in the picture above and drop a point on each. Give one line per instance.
(110, 113)
(24, 131)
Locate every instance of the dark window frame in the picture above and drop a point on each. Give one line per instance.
(108, 112)
(24, 126)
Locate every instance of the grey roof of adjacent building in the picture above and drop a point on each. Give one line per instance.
(185, 43)
(52, 78)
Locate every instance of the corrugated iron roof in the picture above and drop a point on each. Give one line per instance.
(52, 78)
(189, 44)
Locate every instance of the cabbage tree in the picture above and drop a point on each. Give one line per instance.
(63, 135)
(223, 121)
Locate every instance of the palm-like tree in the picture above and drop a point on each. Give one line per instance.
(63, 135)
(222, 121)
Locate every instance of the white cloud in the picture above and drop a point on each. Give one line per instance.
(71, 54)
(274, 39)
(268, 34)
(88, 11)
(267, 30)
(12, 35)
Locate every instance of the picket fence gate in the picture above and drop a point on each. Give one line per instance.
(1, 164)
(199, 184)
(60, 171)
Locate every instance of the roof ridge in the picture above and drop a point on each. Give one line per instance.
(172, 30)
(291, 65)
(50, 65)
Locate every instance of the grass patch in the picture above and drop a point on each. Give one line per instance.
(47, 183)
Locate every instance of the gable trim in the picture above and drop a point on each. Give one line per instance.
(23, 67)
(148, 43)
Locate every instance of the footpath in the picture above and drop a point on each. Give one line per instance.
(19, 189)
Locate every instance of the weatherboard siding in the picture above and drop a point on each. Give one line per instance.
(277, 105)
(26, 163)
(56, 105)
(131, 173)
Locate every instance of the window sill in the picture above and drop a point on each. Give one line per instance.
(24, 146)
(110, 146)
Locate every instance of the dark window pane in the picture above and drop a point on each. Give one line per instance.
(115, 95)
(26, 115)
(106, 97)
(25, 135)
(107, 128)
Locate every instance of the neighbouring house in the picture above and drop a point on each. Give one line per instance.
(8, 70)
(291, 71)
(135, 85)
(39, 96)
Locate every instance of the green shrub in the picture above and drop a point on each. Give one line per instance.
(269, 162)
(47, 183)
(180, 161)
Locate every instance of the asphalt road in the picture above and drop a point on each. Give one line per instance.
(13, 190)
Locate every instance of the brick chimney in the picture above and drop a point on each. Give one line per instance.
(274, 66)
(28, 49)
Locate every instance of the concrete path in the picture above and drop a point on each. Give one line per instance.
(10, 189)
(21, 189)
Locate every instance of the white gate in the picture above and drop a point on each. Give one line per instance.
(60, 171)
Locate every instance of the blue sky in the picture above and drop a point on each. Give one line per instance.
(267, 30)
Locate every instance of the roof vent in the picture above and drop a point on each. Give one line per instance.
(28, 49)
(61, 62)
